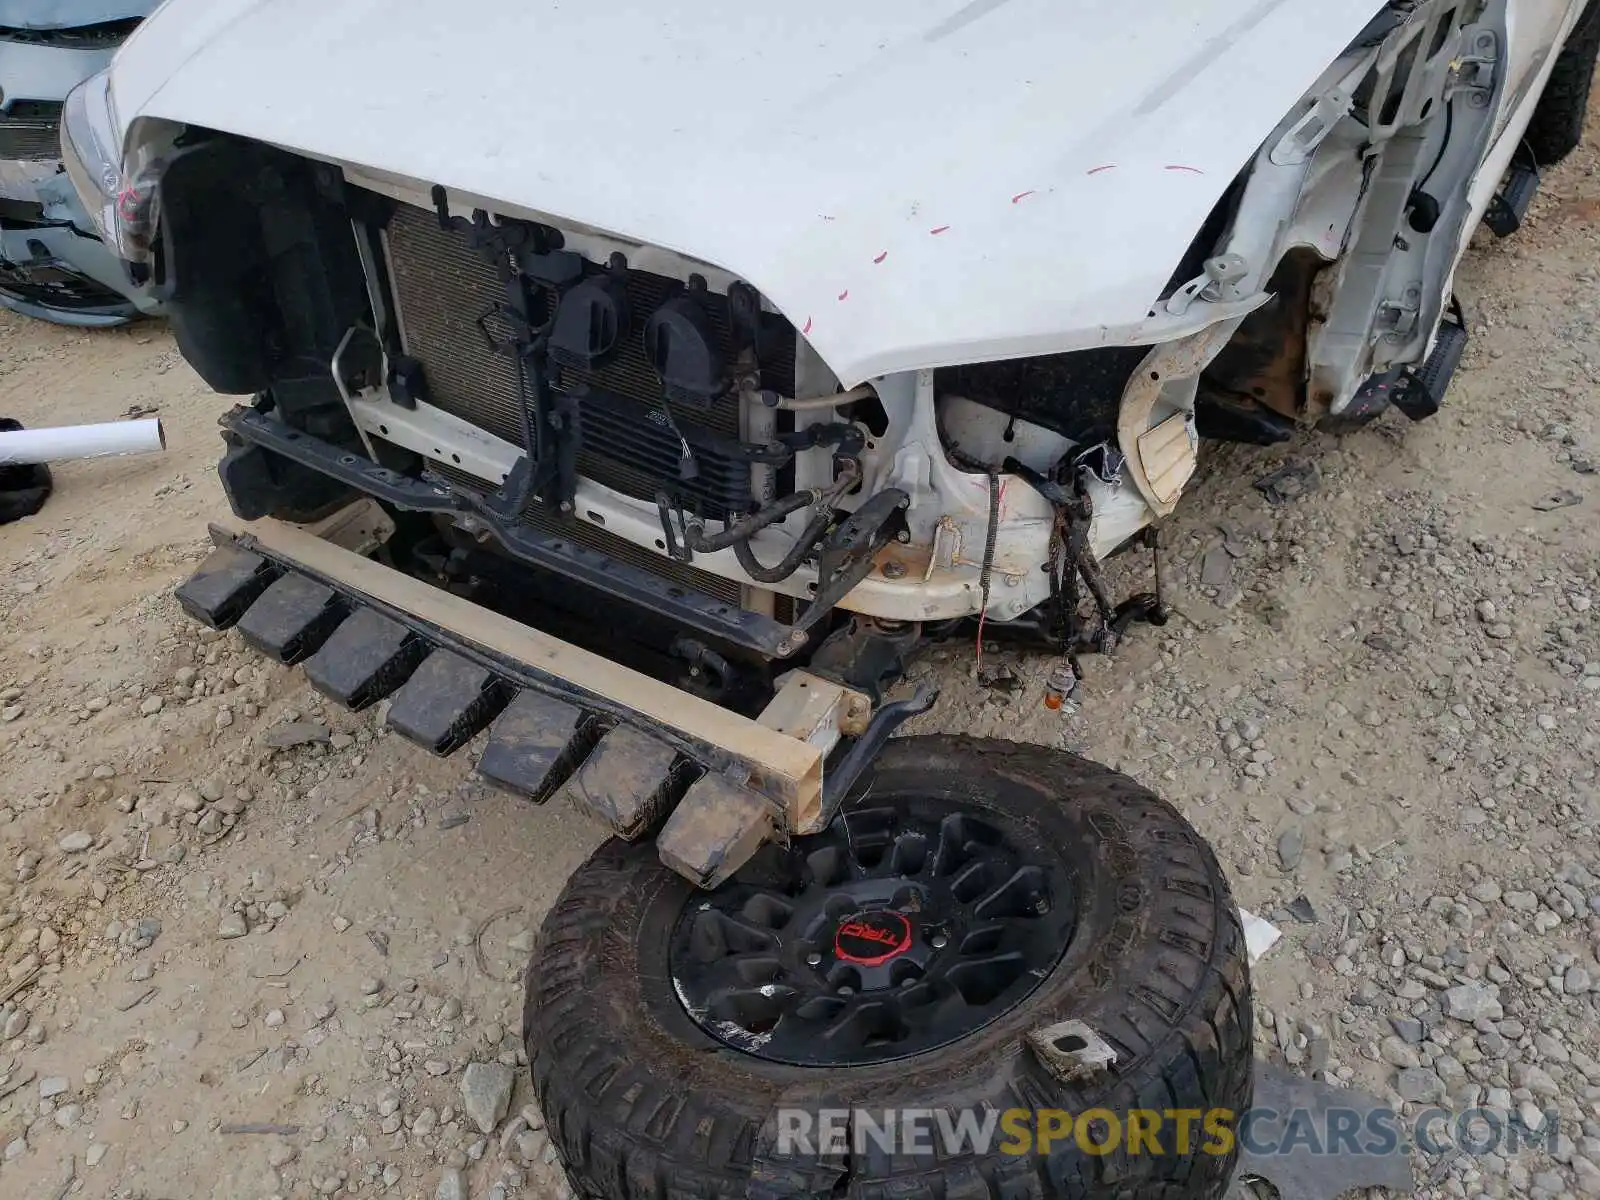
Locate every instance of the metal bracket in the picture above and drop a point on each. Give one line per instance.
(1301, 140)
(1397, 319)
(1219, 284)
(336, 369)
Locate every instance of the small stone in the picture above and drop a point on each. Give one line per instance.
(150, 706)
(486, 1093)
(530, 1146)
(1409, 1029)
(371, 986)
(1486, 891)
(1397, 1053)
(95, 1154)
(274, 1018)
(1577, 981)
(1291, 847)
(76, 842)
(296, 733)
(53, 1086)
(1419, 1085)
(233, 926)
(451, 1186)
(1535, 1078)
(436, 1067)
(1473, 1002)
(340, 924)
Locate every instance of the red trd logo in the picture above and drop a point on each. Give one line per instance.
(872, 939)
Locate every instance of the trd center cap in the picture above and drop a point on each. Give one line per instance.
(871, 939)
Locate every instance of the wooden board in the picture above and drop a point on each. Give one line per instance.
(785, 769)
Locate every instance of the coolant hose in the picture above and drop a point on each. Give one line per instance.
(742, 530)
(790, 563)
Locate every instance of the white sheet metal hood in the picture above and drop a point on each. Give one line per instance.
(914, 183)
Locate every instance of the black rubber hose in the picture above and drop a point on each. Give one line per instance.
(695, 537)
(791, 561)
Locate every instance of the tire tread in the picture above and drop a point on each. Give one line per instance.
(625, 1131)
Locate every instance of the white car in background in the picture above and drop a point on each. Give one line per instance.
(53, 264)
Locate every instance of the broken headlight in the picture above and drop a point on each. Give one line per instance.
(116, 180)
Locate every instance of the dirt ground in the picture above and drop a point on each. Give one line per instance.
(1381, 701)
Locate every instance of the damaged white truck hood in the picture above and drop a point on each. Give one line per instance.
(914, 183)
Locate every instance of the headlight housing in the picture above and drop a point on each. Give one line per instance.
(116, 180)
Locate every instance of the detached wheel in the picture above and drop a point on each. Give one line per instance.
(1556, 129)
(969, 894)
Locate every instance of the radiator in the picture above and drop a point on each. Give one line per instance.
(31, 131)
(444, 291)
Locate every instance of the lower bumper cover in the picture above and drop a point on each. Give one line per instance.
(452, 668)
(53, 273)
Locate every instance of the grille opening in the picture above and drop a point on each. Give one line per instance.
(445, 292)
(442, 291)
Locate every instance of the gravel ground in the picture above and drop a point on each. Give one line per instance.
(249, 970)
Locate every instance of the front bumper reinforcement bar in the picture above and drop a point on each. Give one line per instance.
(562, 556)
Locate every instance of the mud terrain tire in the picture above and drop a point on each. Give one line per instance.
(641, 1102)
(1557, 125)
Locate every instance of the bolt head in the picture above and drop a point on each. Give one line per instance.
(938, 941)
(847, 991)
(813, 959)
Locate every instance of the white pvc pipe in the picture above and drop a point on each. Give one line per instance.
(80, 441)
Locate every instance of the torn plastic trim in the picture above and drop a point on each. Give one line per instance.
(1162, 390)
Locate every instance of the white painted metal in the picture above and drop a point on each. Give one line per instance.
(913, 182)
(66, 442)
(943, 584)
